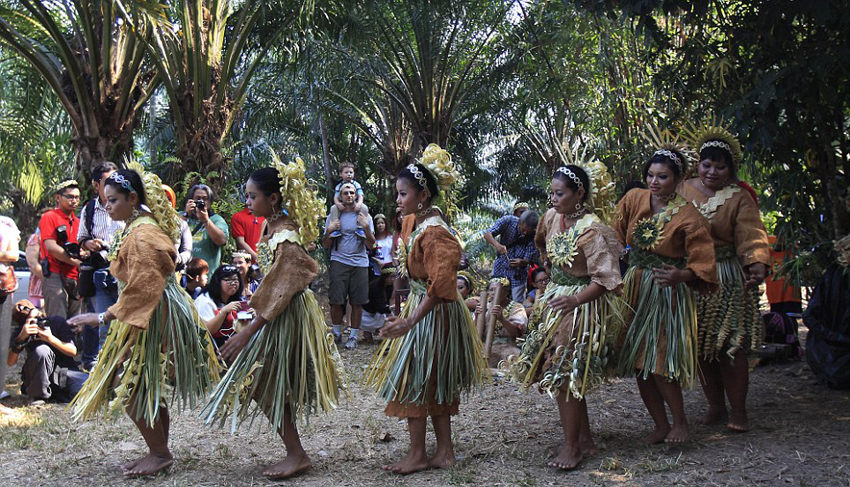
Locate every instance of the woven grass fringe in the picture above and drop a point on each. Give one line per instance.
(581, 364)
(729, 318)
(659, 311)
(172, 362)
(292, 361)
(449, 354)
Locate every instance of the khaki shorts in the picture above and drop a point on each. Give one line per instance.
(348, 282)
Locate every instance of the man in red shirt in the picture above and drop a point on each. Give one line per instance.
(59, 227)
(246, 228)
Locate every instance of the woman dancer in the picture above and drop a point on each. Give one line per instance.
(671, 254)
(568, 350)
(284, 361)
(156, 342)
(434, 353)
(730, 325)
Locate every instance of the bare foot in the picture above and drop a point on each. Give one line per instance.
(588, 448)
(657, 436)
(738, 422)
(132, 463)
(568, 459)
(442, 460)
(678, 434)
(409, 464)
(151, 464)
(289, 466)
(712, 416)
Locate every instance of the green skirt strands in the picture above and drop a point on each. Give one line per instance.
(730, 317)
(667, 313)
(577, 362)
(448, 355)
(291, 362)
(137, 370)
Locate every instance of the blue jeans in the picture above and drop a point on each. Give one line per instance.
(105, 295)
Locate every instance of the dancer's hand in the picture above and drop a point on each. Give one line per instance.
(667, 275)
(395, 327)
(755, 275)
(81, 321)
(237, 342)
(563, 303)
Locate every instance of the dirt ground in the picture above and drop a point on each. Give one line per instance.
(800, 436)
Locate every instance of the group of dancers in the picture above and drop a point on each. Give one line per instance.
(665, 322)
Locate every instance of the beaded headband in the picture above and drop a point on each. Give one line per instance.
(501, 280)
(672, 156)
(716, 143)
(419, 175)
(570, 174)
(244, 255)
(124, 182)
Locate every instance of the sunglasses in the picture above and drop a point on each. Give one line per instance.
(229, 269)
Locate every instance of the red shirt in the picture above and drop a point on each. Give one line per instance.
(244, 224)
(51, 221)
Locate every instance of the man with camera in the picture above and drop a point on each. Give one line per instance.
(97, 230)
(60, 252)
(209, 230)
(49, 371)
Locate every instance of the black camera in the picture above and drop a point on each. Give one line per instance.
(62, 235)
(201, 204)
(42, 324)
(72, 249)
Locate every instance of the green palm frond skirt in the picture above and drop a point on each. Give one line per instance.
(661, 337)
(729, 319)
(172, 361)
(569, 352)
(429, 367)
(291, 362)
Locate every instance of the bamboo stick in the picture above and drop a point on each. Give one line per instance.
(481, 318)
(491, 321)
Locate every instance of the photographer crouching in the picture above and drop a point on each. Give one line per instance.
(49, 371)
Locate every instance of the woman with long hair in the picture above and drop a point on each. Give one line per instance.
(219, 302)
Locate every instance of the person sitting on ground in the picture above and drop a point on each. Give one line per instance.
(219, 302)
(49, 371)
(515, 248)
(248, 272)
(465, 287)
(511, 323)
(520, 207)
(539, 279)
(346, 176)
(197, 272)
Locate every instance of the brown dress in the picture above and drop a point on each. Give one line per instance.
(657, 315)
(729, 319)
(569, 352)
(424, 372)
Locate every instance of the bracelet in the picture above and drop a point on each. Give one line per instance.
(101, 319)
(17, 347)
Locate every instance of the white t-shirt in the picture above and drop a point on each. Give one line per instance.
(206, 307)
(385, 249)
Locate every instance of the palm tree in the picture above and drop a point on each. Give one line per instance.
(93, 65)
(206, 54)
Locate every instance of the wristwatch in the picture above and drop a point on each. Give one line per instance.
(18, 347)
(101, 319)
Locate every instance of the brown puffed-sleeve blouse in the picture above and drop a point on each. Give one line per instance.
(686, 235)
(598, 250)
(291, 272)
(735, 223)
(434, 258)
(143, 264)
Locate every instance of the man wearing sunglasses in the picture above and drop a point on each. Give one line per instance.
(49, 371)
(59, 228)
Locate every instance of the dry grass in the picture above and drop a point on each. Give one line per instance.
(800, 436)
